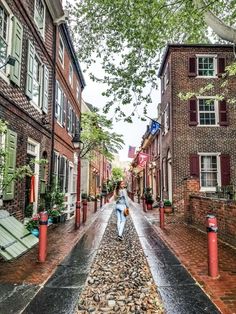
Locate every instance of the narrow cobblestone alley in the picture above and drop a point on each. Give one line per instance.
(120, 280)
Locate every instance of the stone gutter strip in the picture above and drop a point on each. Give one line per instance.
(120, 280)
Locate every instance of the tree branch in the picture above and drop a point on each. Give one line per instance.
(224, 31)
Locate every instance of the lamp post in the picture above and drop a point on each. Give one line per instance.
(76, 142)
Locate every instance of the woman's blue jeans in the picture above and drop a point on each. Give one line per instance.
(120, 220)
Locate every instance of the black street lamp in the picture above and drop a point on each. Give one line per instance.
(76, 142)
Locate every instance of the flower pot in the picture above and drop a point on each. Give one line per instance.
(35, 232)
(63, 217)
(168, 209)
(149, 206)
(55, 219)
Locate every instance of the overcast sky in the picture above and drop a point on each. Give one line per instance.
(132, 132)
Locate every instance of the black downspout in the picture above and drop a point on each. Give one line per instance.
(53, 103)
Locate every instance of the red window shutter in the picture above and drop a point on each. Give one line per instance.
(225, 169)
(194, 165)
(221, 66)
(192, 66)
(223, 117)
(193, 112)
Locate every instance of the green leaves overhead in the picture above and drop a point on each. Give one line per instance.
(97, 136)
(128, 36)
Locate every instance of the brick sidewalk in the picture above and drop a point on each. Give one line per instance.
(190, 246)
(61, 239)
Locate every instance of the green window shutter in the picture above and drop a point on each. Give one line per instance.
(11, 144)
(30, 70)
(45, 88)
(17, 39)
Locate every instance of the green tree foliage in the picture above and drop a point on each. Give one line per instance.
(128, 36)
(117, 174)
(97, 136)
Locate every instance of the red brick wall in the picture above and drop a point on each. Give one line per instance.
(15, 107)
(182, 139)
(225, 212)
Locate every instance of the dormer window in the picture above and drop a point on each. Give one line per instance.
(39, 15)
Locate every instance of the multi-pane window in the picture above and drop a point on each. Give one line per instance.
(209, 171)
(207, 111)
(69, 118)
(71, 74)
(61, 50)
(39, 15)
(37, 82)
(206, 66)
(59, 103)
(4, 30)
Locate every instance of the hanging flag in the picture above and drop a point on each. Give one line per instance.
(155, 127)
(131, 152)
(142, 159)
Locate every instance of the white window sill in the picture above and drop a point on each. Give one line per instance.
(208, 125)
(209, 189)
(207, 77)
(59, 123)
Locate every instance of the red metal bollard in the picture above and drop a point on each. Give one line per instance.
(43, 226)
(95, 204)
(212, 246)
(162, 215)
(85, 208)
(77, 215)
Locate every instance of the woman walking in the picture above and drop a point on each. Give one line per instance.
(121, 199)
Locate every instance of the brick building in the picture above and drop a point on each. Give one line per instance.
(197, 138)
(69, 84)
(27, 31)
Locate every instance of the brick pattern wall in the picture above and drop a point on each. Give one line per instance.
(16, 108)
(183, 139)
(225, 212)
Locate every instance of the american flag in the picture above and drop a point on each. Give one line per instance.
(131, 151)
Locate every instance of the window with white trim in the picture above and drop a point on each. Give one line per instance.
(4, 35)
(61, 51)
(39, 15)
(209, 171)
(206, 65)
(71, 74)
(59, 103)
(37, 82)
(208, 112)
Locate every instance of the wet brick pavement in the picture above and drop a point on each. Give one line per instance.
(190, 246)
(26, 276)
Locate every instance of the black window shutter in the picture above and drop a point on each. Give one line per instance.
(194, 165)
(221, 66)
(192, 112)
(225, 169)
(192, 66)
(223, 117)
(64, 111)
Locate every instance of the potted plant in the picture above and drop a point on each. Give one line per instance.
(167, 206)
(148, 197)
(54, 214)
(33, 225)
